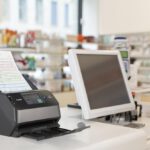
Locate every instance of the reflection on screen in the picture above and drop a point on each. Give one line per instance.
(103, 80)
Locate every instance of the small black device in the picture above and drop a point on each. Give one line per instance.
(33, 114)
(28, 112)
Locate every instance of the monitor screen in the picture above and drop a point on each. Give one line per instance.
(100, 82)
(103, 80)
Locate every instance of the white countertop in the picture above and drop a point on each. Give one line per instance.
(98, 136)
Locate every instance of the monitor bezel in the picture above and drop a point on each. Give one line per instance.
(80, 89)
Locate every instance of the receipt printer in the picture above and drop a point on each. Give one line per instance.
(33, 113)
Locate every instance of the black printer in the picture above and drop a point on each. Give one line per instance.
(32, 114)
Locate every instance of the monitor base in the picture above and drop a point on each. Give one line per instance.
(135, 125)
(75, 105)
(119, 121)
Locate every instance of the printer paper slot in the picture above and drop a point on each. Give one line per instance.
(49, 133)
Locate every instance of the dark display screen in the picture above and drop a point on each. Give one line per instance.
(31, 99)
(103, 80)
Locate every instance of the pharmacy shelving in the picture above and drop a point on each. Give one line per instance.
(18, 50)
(27, 71)
(31, 51)
(49, 79)
(85, 45)
(140, 56)
(143, 70)
(41, 65)
(39, 55)
(144, 79)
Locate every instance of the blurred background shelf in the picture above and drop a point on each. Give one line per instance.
(140, 56)
(27, 71)
(19, 49)
(42, 57)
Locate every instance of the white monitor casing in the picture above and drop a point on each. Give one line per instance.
(80, 89)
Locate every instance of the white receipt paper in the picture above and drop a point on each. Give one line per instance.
(11, 79)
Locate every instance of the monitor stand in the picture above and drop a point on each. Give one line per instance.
(135, 125)
(75, 105)
(109, 119)
(120, 122)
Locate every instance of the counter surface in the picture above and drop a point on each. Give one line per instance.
(98, 136)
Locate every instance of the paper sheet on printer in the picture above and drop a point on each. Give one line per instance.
(11, 79)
